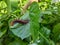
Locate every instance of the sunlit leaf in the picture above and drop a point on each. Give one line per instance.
(34, 13)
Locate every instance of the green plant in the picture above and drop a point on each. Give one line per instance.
(42, 28)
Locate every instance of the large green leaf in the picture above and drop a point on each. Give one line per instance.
(34, 13)
(56, 32)
(22, 31)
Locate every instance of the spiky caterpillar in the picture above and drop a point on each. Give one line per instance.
(19, 21)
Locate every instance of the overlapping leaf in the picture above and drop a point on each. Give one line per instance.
(34, 13)
(22, 31)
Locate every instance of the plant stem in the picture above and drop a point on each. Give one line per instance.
(8, 7)
(44, 37)
(20, 3)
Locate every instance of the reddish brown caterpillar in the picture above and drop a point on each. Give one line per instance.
(19, 21)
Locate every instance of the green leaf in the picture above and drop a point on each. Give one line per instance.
(14, 4)
(45, 31)
(56, 31)
(18, 42)
(2, 33)
(25, 16)
(1, 41)
(22, 31)
(44, 36)
(2, 5)
(2, 29)
(34, 13)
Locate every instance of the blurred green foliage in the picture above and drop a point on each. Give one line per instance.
(43, 27)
